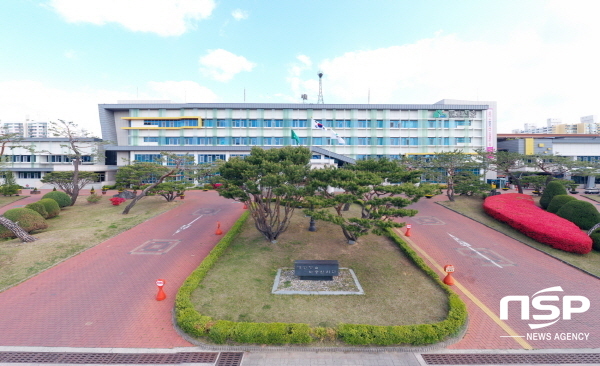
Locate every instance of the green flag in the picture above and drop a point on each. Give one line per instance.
(295, 137)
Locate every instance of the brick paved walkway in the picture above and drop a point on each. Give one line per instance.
(511, 268)
(105, 296)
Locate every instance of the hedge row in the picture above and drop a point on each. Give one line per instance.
(221, 331)
(520, 212)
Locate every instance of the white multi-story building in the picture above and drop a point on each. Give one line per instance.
(26, 129)
(342, 132)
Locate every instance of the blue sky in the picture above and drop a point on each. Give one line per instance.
(60, 58)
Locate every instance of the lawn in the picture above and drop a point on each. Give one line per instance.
(76, 229)
(472, 207)
(238, 287)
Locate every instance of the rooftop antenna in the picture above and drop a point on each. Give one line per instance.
(320, 100)
(304, 98)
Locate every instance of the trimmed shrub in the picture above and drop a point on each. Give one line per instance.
(581, 213)
(60, 197)
(39, 208)
(596, 240)
(520, 212)
(554, 188)
(28, 219)
(558, 201)
(51, 206)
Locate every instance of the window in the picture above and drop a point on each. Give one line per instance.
(446, 140)
(209, 158)
(463, 123)
(221, 140)
(222, 123)
(239, 141)
(434, 140)
(150, 139)
(394, 140)
(147, 158)
(379, 124)
(394, 124)
(379, 141)
(317, 141)
(239, 123)
(342, 123)
(364, 123)
(273, 123)
(267, 141)
(205, 140)
(67, 159)
(409, 124)
(29, 175)
(463, 140)
(252, 123)
(190, 141)
(316, 157)
(364, 141)
(409, 141)
(328, 123)
(278, 141)
(22, 158)
(394, 157)
(209, 123)
(172, 161)
(172, 140)
(299, 123)
(432, 124)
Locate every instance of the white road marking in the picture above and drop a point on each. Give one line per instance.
(467, 245)
(183, 227)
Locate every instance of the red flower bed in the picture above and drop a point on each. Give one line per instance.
(520, 212)
(117, 200)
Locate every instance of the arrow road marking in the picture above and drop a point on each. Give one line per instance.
(183, 227)
(467, 245)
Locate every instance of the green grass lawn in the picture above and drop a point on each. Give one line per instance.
(473, 208)
(238, 287)
(76, 229)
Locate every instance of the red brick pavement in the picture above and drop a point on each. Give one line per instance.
(105, 296)
(518, 270)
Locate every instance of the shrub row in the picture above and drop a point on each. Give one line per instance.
(520, 212)
(33, 216)
(221, 331)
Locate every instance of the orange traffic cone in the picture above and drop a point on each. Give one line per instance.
(407, 233)
(245, 206)
(161, 293)
(219, 231)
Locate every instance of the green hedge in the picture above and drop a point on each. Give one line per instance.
(51, 206)
(222, 331)
(28, 219)
(39, 208)
(61, 198)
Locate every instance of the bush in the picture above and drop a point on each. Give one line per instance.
(116, 200)
(581, 213)
(61, 198)
(39, 208)
(558, 201)
(93, 198)
(51, 206)
(27, 219)
(520, 212)
(596, 240)
(554, 188)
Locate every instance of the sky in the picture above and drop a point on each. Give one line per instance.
(61, 58)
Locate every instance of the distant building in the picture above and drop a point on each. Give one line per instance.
(28, 129)
(587, 125)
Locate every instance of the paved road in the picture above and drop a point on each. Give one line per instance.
(105, 296)
(490, 265)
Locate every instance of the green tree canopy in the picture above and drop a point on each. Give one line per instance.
(271, 183)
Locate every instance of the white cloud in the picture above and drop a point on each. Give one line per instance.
(163, 17)
(27, 99)
(223, 65)
(530, 77)
(239, 14)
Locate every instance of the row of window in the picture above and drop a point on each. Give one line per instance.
(50, 158)
(342, 123)
(171, 123)
(314, 141)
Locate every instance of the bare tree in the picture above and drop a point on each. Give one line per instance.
(79, 143)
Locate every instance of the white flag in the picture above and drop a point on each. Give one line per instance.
(334, 135)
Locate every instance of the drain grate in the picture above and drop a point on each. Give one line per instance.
(122, 358)
(512, 359)
(230, 359)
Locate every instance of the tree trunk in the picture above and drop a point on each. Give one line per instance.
(143, 194)
(17, 230)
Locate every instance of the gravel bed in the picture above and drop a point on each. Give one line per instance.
(344, 284)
